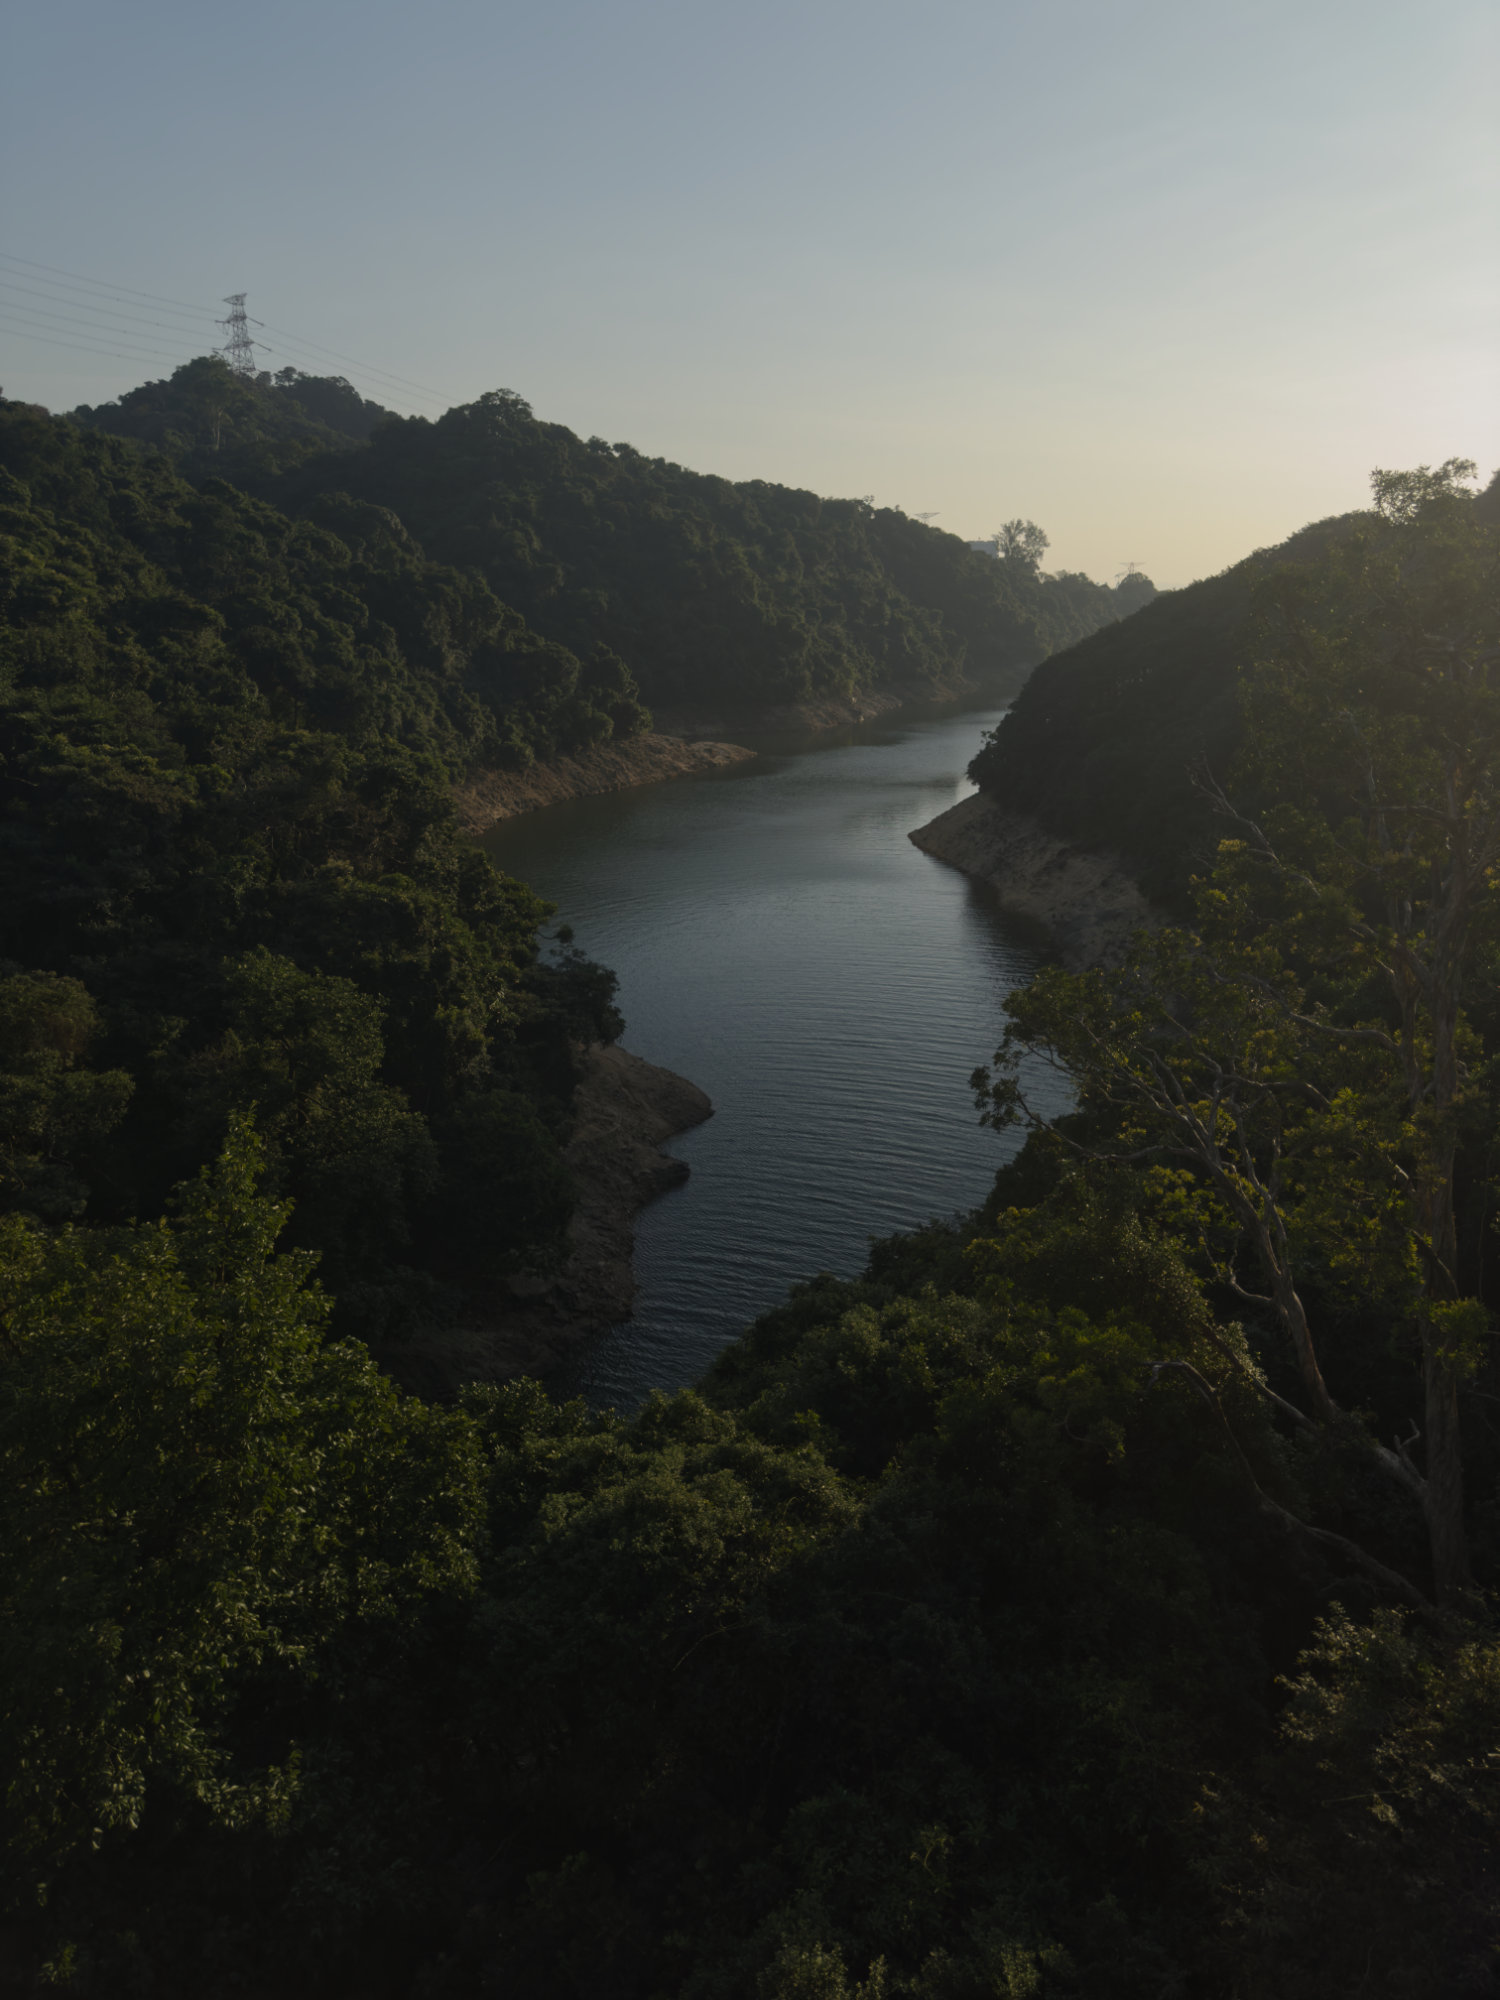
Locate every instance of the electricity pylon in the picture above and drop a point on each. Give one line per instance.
(239, 349)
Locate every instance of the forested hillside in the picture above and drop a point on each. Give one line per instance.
(1108, 742)
(718, 596)
(1094, 1599)
(231, 728)
(710, 590)
(1108, 738)
(232, 876)
(207, 418)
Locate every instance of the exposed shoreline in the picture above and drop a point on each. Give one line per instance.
(1086, 898)
(491, 796)
(625, 1107)
(825, 712)
(624, 1110)
(688, 743)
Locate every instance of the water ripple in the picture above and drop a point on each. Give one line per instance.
(780, 941)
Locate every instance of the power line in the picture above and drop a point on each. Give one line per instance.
(79, 295)
(120, 340)
(45, 330)
(334, 354)
(120, 327)
(45, 336)
(98, 284)
(51, 312)
(357, 376)
(202, 313)
(83, 347)
(77, 281)
(64, 299)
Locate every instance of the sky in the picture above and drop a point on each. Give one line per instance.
(1167, 277)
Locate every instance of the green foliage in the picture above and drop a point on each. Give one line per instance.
(197, 1491)
(1103, 742)
(1362, 1855)
(980, 1626)
(502, 1197)
(1304, 1064)
(232, 875)
(53, 1115)
(211, 421)
(930, 1651)
(713, 596)
(337, 622)
(305, 1051)
(786, 595)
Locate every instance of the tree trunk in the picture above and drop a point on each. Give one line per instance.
(1443, 1494)
(1293, 1317)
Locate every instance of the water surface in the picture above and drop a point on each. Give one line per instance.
(780, 941)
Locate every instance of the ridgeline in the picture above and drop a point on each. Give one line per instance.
(1113, 739)
(717, 596)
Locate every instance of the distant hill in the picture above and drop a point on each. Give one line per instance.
(711, 590)
(339, 615)
(716, 594)
(1101, 744)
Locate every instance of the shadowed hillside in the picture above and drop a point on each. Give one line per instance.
(717, 595)
(1102, 743)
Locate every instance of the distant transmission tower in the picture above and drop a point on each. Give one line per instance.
(239, 349)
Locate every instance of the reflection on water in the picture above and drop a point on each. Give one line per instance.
(781, 942)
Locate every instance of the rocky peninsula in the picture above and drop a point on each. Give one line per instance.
(624, 1110)
(1086, 898)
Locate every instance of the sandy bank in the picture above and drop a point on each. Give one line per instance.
(608, 767)
(831, 711)
(623, 1110)
(1086, 898)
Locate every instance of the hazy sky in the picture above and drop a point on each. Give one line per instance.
(1167, 277)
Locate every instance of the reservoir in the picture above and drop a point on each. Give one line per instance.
(779, 940)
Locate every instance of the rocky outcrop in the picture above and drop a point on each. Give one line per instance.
(491, 796)
(624, 1108)
(1087, 898)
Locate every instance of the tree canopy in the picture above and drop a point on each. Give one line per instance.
(1093, 1598)
(1308, 1064)
(232, 874)
(1102, 743)
(716, 595)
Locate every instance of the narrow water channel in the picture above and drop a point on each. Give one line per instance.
(780, 941)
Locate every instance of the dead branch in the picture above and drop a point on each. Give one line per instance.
(1322, 1538)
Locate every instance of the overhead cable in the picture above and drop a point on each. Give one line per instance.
(92, 294)
(314, 347)
(9, 284)
(120, 340)
(50, 312)
(98, 284)
(358, 378)
(83, 347)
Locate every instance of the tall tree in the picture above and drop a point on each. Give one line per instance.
(1306, 1054)
(1021, 542)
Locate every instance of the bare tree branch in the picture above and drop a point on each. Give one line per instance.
(1323, 1539)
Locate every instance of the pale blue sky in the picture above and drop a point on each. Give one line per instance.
(1167, 277)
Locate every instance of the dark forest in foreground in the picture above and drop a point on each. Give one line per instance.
(1092, 1599)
